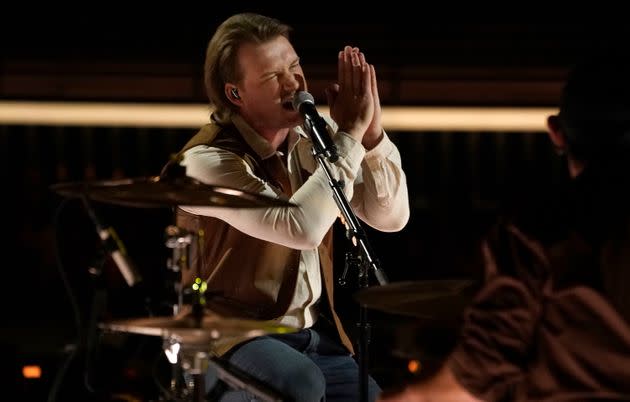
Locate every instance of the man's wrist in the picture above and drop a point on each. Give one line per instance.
(371, 141)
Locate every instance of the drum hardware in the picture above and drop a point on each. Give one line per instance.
(427, 317)
(156, 191)
(188, 338)
(189, 346)
(179, 241)
(185, 330)
(438, 300)
(195, 361)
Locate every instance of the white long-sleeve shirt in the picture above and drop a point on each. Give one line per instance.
(374, 181)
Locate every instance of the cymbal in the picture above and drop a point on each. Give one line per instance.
(185, 330)
(156, 191)
(441, 300)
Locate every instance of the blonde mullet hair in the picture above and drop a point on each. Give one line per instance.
(221, 65)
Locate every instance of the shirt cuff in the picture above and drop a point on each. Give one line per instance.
(349, 149)
(382, 150)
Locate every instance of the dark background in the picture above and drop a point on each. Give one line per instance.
(457, 180)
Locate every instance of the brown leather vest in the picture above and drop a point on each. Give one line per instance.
(237, 266)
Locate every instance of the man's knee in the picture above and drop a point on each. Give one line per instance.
(305, 384)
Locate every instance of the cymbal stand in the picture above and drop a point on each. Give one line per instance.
(98, 308)
(193, 364)
(179, 241)
(196, 360)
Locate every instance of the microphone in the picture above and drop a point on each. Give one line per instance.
(114, 247)
(304, 103)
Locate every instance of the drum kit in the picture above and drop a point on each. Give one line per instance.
(190, 333)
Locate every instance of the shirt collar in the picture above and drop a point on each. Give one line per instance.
(259, 144)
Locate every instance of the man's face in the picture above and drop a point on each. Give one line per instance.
(271, 74)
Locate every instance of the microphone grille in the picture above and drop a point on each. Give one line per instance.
(302, 97)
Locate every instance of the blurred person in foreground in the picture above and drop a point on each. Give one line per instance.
(275, 263)
(552, 320)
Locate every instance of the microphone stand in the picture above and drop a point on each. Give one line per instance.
(98, 307)
(361, 257)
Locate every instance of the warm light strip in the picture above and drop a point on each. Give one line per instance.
(466, 118)
(194, 115)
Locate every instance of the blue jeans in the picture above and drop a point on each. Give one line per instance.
(302, 367)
